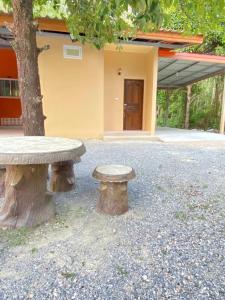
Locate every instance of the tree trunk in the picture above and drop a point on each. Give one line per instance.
(62, 176)
(25, 47)
(166, 115)
(113, 198)
(215, 112)
(187, 110)
(27, 202)
(222, 118)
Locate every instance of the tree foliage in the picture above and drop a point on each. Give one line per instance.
(205, 106)
(105, 21)
(207, 17)
(195, 16)
(100, 21)
(176, 109)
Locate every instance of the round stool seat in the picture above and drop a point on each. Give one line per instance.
(113, 179)
(114, 173)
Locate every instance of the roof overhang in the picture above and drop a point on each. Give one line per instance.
(162, 39)
(5, 37)
(181, 69)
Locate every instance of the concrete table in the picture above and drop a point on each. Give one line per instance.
(27, 202)
(113, 188)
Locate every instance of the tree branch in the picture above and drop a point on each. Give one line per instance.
(44, 48)
(9, 26)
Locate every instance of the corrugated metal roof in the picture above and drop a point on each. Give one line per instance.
(174, 69)
(178, 73)
(4, 37)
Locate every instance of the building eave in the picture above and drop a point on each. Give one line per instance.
(168, 38)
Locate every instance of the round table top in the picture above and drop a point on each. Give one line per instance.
(24, 150)
(114, 173)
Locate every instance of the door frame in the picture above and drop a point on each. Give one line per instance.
(143, 102)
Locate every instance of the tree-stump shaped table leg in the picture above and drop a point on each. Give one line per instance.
(27, 202)
(62, 176)
(2, 181)
(113, 198)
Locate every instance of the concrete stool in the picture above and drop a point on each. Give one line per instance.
(113, 179)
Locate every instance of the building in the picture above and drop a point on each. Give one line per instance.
(88, 92)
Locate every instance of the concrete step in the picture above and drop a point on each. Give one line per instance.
(125, 137)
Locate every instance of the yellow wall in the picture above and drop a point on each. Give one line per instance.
(72, 89)
(151, 91)
(133, 66)
(79, 95)
(135, 62)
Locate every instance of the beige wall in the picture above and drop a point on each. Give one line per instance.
(151, 91)
(84, 98)
(136, 62)
(73, 90)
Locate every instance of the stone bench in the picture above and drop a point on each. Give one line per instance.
(113, 179)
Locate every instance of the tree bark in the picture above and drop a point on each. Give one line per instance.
(62, 176)
(222, 118)
(25, 47)
(217, 99)
(27, 202)
(113, 198)
(166, 115)
(187, 110)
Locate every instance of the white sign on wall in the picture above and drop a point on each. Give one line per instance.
(72, 52)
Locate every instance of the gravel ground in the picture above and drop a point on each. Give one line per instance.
(170, 245)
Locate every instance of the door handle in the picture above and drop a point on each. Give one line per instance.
(125, 104)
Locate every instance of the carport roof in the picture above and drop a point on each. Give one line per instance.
(181, 69)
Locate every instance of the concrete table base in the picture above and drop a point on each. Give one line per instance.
(27, 202)
(2, 181)
(62, 176)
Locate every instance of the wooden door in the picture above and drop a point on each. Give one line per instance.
(133, 104)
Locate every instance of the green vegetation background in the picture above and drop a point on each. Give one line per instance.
(205, 108)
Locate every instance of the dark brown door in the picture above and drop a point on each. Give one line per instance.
(133, 104)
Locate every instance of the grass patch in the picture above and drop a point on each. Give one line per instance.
(141, 258)
(16, 237)
(204, 206)
(34, 250)
(160, 188)
(79, 211)
(200, 218)
(164, 252)
(60, 221)
(68, 275)
(121, 271)
(181, 215)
